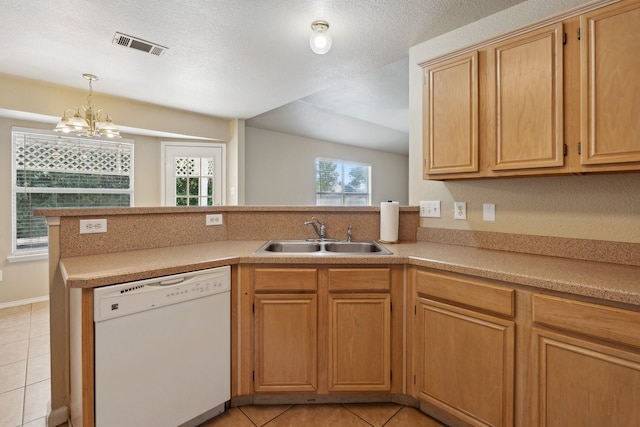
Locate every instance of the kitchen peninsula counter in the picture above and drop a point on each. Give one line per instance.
(602, 281)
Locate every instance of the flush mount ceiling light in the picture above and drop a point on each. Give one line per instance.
(320, 40)
(86, 121)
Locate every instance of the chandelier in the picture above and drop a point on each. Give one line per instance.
(86, 121)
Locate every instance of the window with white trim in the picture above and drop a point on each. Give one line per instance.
(49, 170)
(342, 183)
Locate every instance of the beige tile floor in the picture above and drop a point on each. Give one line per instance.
(329, 415)
(25, 371)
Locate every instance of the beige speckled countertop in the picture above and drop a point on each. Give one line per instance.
(604, 281)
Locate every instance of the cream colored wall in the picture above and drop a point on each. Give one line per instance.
(601, 207)
(27, 280)
(279, 169)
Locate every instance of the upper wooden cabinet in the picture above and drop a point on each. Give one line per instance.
(562, 98)
(610, 84)
(525, 75)
(451, 115)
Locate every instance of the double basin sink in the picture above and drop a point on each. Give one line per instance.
(323, 247)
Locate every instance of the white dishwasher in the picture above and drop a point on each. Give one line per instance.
(162, 350)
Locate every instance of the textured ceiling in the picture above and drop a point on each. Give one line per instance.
(242, 59)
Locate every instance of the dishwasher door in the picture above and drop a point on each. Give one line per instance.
(162, 353)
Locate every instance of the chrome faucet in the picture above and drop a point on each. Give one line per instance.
(322, 231)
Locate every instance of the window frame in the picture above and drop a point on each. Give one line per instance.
(28, 254)
(344, 194)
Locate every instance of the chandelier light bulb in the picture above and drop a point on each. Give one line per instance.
(86, 121)
(320, 40)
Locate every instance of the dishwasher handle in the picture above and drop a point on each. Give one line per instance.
(170, 281)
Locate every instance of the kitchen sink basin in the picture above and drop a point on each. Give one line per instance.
(291, 246)
(323, 247)
(355, 247)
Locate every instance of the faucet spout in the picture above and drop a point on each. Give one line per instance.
(320, 231)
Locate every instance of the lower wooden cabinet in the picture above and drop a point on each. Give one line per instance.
(553, 362)
(581, 383)
(360, 342)
(587, 359)
(320, 329)
(464, 358)
(286, 339)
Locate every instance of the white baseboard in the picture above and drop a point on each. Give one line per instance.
(57, 416)
(23, 302)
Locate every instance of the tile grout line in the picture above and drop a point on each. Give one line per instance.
(356, 415)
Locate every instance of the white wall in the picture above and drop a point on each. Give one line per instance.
(280, 169)
(601, 207)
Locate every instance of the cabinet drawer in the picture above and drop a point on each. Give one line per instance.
(285, 279)
(360, 279)
(467, 292)
(599, 321)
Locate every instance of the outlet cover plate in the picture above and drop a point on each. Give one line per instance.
(90, 226)
(213, 219)
(460, 210)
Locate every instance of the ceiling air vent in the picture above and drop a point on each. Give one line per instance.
(138, 44)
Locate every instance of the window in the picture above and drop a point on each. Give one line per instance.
(342, 183)
(53, 171)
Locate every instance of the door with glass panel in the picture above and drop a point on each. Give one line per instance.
(193, 174)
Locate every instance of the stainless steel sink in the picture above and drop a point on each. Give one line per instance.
(355, 247)
(291, 246)
(323, 247)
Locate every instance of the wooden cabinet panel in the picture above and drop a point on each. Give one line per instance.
(499, 300)
(526, 85)
(360, 342)
(465, 363)
(286, 279)
(610, 60)
(359, 279)
(585, 384)
(607, 323)
(285, 342)
(451, 115)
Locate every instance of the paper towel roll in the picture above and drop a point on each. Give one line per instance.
(389, 217)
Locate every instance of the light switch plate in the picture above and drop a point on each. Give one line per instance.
(430, 209)
(488, 212)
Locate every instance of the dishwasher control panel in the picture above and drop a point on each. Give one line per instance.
(128, 298)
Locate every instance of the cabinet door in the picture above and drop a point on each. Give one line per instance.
(465, 363)
(526, 99)
(451, 116)
(581, 383)
(610, 63)
(285, 342)
(359, 342)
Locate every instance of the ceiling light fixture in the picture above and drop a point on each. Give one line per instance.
(86, 121)
(320, 40)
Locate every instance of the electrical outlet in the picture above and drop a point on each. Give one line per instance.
(488, 212)
(93, 226)
(430, 209)
(213, 219)
(460, 210)
(0, 275)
